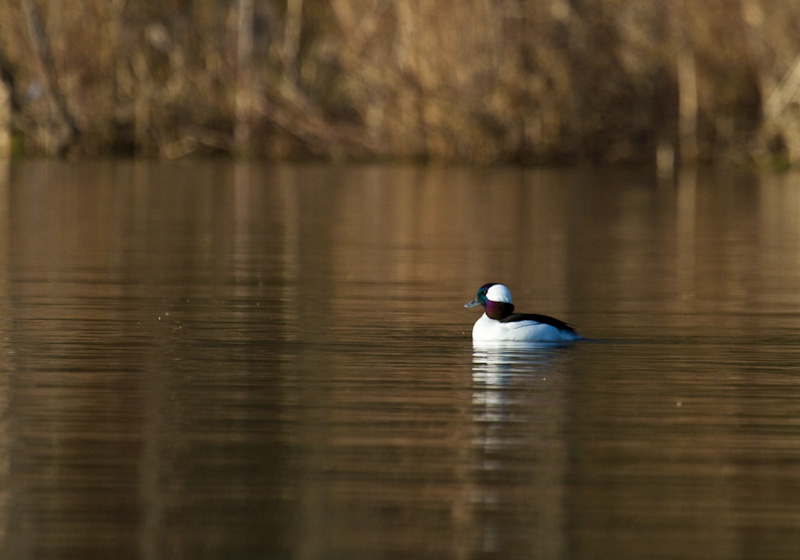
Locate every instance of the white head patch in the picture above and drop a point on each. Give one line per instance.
(499, 293)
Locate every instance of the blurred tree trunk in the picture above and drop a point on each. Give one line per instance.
(778, 113)
(5, 120)
(66, 131)
(291, 38)
(776, 66)
(687, 103)
(244, 76)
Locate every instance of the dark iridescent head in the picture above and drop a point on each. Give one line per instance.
(495, 299)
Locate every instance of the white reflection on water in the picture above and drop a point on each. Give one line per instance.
(518, 415)
(497, 364)
(494, 360)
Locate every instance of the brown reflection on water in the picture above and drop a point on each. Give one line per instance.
(5, 350)
(580, 244)
(208, 359)
(717, 248)
(135, 295)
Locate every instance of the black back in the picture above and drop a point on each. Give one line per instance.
(547, 320)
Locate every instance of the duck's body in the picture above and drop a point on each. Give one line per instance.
(499, 323)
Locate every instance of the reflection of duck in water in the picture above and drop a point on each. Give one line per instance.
(500, 323)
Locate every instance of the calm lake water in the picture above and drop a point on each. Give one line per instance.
(227, 360)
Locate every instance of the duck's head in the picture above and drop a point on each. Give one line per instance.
(495, 298)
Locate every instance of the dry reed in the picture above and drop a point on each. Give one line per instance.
(468, 80)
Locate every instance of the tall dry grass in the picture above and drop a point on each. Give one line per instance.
(466, 80)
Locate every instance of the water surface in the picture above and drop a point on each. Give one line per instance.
(207, 359)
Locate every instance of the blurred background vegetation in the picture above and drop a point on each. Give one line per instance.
(526, 81)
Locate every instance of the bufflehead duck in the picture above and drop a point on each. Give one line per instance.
(500, 323)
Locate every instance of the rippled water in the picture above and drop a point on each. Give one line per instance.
(220, 360)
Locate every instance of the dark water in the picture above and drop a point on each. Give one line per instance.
(218, 360)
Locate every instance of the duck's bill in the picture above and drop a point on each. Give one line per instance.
(474, 303)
